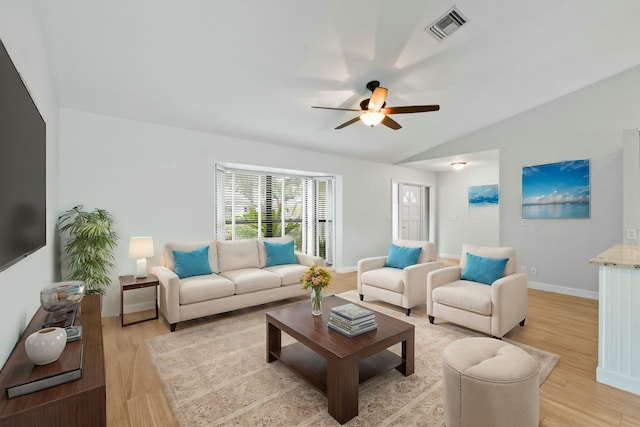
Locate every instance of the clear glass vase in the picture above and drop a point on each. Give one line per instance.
(316, 301)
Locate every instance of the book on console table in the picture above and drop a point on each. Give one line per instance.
(28, 378)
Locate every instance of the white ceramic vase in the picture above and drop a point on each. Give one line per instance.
(46, 345)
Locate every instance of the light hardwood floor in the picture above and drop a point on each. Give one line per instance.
(562, 324)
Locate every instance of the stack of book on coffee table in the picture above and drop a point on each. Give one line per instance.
(351, 319)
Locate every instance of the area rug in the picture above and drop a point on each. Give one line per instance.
(216, 374)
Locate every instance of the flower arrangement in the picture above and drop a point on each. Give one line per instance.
(316, 278)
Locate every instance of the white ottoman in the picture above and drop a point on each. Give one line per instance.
(489, 383)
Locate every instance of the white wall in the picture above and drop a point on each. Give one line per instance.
(587, 124)
(458, 222)
(158, 181)
(21, 283)
(631, 186)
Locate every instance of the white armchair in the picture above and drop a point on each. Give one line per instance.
(406, 287)
(492, 309)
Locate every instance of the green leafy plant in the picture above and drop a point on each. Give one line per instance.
(89, 248)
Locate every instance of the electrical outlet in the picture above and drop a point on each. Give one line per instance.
(533, 271)
(632, 234)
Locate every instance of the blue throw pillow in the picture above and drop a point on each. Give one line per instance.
(280, 253)
(193, 263)
(401, 256)
(483, 270)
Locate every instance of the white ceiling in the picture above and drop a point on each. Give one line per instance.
(253, 68)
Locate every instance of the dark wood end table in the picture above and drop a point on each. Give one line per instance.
(128, 283)
(334, 363)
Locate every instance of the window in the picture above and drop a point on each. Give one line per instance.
(252, 204)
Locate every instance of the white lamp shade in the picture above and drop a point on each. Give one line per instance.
(371, 118)
(141, 247)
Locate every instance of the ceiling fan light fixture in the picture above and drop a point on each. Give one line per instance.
(372, 118)
(458, 165)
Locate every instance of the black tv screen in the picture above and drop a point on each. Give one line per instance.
(22, 168)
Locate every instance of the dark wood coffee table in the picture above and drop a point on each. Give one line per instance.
(332, 362)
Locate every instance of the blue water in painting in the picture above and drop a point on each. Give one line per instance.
(556, 210)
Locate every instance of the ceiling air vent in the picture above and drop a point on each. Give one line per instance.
(447, 24)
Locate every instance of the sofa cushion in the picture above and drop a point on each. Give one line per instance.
(469, 296)
(428, 253)
(204, 288)
(289, 273)
(237, 254)
(280, 253)
(385, 278)
(252, 279)
(483, 269)
(169, 262)
(402, 256)
(262, 252)
(492, 252)
(192, 263)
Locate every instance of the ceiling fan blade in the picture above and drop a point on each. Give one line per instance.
(377, 99)
(410, 109)
(390, 123)
(350, 122)
(341, 109)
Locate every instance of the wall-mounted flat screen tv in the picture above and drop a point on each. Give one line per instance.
(22, 168)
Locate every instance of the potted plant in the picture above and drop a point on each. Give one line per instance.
(89, 248)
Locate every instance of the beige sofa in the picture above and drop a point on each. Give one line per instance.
(239, 279)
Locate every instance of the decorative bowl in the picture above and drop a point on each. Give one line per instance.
(46, 345)
(62, 296)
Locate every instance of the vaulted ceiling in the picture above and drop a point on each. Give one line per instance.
(253, 68)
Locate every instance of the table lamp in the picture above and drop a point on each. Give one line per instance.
(141, 248)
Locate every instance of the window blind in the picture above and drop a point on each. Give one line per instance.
(254, 204)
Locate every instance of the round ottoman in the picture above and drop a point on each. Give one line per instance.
(488, 382)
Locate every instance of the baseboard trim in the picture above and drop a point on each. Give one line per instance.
(346, 269)
(563, 290)
(450, 256)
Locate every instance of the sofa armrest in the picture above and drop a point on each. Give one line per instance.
(373, 263)
(368, 264)
(307, 260)
(169, 293)
(437, 278)
(414, 278)
(509, 297)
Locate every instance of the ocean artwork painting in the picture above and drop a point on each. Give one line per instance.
(483, 195)
(556, 190)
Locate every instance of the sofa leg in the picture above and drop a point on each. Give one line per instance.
(431, 319)
(173, 327)
(498, 338)
(361, 297)
(522, 323)
(407, 311)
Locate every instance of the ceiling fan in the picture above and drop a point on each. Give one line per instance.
(374, 110)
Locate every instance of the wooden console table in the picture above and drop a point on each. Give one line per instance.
(79, 402)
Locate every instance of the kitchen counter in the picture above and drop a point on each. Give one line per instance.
(619, 317)
(622, 255)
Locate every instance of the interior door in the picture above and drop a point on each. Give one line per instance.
(410, 212)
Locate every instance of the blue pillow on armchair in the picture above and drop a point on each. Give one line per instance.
(401, 256)
(482, 269)
(192, 263)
